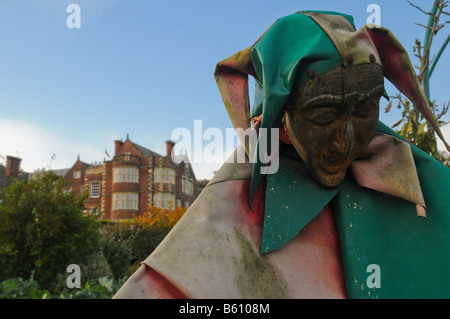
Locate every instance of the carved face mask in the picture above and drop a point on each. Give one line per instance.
(329, 76)
(331, 119)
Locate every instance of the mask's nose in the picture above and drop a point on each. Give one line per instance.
(343, 142)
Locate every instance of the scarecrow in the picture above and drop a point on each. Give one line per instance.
(352, 211)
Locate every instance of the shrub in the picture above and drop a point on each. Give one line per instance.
(161, 218)
(106, 289)
(145, 240)
(150, 229)
(18, 288)
(115, 246)
(94, 267)
(42, 229)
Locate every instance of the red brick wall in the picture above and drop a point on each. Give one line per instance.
(143, 185)
(76, 183)
(128, 156)
(93, 202)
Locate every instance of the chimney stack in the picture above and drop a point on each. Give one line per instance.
(118, 144)
(12, 166)
(169, 148)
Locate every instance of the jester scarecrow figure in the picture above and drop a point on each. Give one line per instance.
(352, 211)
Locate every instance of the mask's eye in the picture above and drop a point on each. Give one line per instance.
(366, 108)
(322, 116)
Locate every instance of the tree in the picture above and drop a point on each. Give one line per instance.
(42, 229)
(414, 126)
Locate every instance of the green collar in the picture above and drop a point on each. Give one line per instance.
(294, 198)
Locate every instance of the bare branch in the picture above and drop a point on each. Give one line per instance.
(444, 111)
(423, 11)
(439, 27)
(424, 26)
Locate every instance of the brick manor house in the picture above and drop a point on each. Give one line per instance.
(135, 179)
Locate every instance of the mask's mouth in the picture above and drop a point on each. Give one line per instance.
(332, 164)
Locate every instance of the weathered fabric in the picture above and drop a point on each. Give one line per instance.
(214, 250)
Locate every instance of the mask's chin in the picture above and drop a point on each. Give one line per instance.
(327, 179)
(326, 176)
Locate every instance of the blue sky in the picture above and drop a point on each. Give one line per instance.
(144, 68)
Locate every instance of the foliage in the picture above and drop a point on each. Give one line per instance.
(146, 240)
(159, 217)
(106, 289)
(18, 288)
(151, 228)
(413, 126)
(129, 242)
(445, 158)
(95, 266)
(115, 246)
(42, 229)
(202, 183)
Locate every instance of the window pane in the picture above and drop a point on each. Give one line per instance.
(95, 189)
